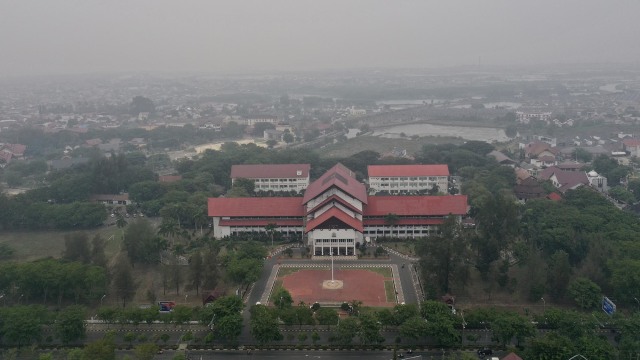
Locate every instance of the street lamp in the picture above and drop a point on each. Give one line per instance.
(102, 298)
(544, 306)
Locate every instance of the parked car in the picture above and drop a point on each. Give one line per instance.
(485, 352)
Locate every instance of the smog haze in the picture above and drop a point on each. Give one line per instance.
(75, 37)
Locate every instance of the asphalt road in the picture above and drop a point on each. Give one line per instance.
(304, 355)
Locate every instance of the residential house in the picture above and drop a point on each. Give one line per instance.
(271, 134)
(631, 146)
(528, 189)
(255, 119)
(502, 159)
(564, 180)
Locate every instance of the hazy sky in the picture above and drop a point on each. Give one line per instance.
(220, 36)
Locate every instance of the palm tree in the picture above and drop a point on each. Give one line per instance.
(169, 228)
(121, 223)
(391, 219)
(270, 228)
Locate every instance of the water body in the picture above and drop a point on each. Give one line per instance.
(610, 88)
(410, 102)
(464, 132)
(503, 104)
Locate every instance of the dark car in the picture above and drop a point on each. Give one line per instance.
(485, 352)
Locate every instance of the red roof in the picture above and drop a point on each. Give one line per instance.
(340, 177)
(631, 142)
(536, 148)
(5, 156)
(16, 149)
(554, 196)
(408, 170)
(416, 205)
(512, 356)
(263, 207)
(262, 222)
(276, 171)
(334, 213)
(404, 221)
(338, 199)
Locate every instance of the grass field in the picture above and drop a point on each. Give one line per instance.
(404, 247)
(390, 290)
(284, 271)
(382, 145)
(32, 245)
(384, 271)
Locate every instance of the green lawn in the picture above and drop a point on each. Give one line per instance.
(405, 247)
(284, 271)
(32, 245)
(382, 145)
(390, 290)
(383, 270)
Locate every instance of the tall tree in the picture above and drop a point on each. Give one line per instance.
(211, 273)
(141, 242)
(559, 274)
(443, 257)
(103, 349)
(282, 298)
(76, 248)
(270, 228)
(98, 257)
(69, 324)
(196, 272)
(123, 282)
(177, 276)
(497, 222)
(391, 220)
(264, 325)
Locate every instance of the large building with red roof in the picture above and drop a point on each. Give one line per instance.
(335, 214)
(274, 177)
(407, 179)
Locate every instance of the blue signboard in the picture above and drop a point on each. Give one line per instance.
(608, 306)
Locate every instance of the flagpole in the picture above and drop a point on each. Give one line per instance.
(332, 265)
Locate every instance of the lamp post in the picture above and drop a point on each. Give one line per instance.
(544, 306)
(102, 298)
(638, 301)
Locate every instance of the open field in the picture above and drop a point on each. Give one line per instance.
(382, 145)
(32, 245)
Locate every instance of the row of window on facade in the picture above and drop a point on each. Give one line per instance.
(279, 180)
(333, 241)
(422, 178)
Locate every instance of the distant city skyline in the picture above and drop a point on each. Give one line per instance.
(218, 37)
